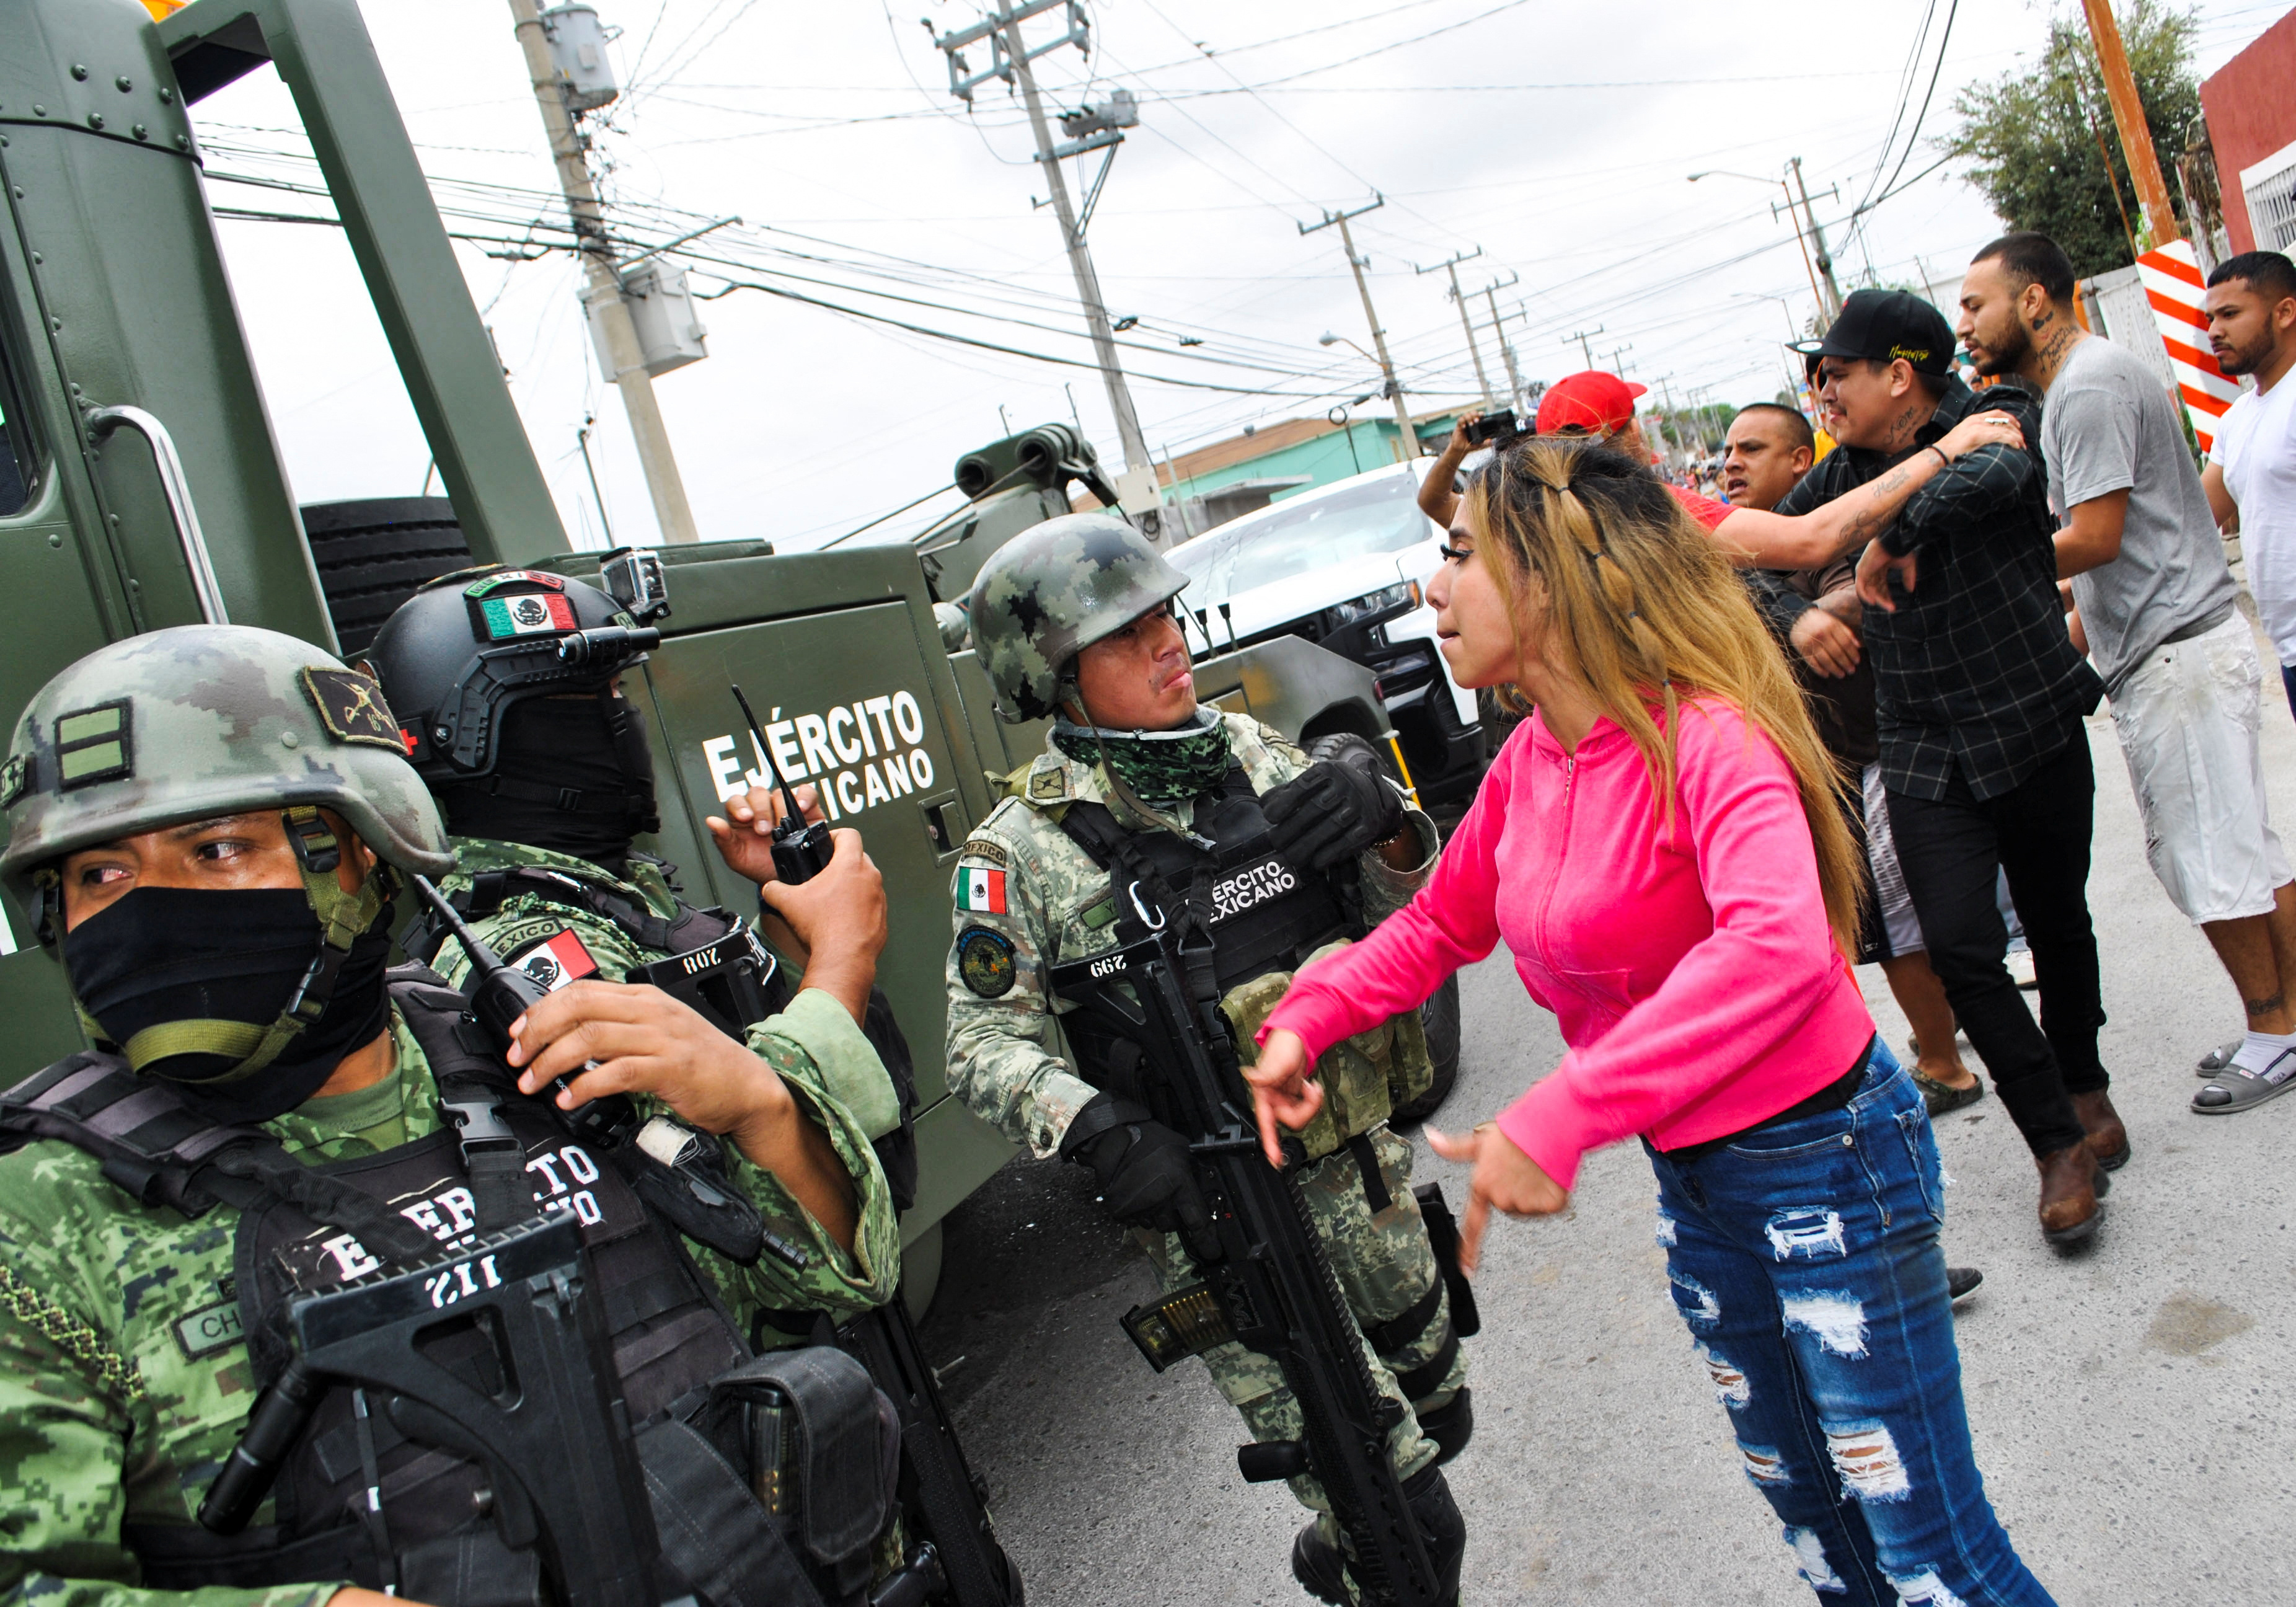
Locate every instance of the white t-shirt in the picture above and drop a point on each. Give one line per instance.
(2256, 448)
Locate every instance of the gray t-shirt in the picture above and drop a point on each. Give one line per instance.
(2108, 424)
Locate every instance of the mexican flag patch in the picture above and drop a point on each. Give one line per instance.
(980, 888)
(527, 616)
(556, 961)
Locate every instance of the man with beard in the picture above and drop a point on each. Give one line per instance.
(2139, 545)
(2250, 479)
(212, 823)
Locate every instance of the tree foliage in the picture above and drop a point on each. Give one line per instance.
(2032, 136)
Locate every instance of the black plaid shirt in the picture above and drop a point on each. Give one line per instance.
(1974, 669)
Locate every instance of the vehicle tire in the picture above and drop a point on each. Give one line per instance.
(374, 552)
(1440, 1015)
(1331, 744)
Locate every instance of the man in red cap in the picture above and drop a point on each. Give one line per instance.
(1590, 404)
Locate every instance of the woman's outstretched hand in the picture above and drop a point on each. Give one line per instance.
(1284, 1089)
(1505, 1178)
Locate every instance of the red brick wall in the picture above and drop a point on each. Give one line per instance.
(2251, 111)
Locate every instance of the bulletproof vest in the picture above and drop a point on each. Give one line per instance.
(357, 1499)
(711, 962)
(1263, 914)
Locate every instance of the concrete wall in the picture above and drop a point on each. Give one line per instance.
(2251, 114)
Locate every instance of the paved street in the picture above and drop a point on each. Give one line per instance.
(2130, 1405)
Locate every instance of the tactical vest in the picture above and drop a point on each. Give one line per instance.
(702, 969)
(355, 1498)
(1266, 918)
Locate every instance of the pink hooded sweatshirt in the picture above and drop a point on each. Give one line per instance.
(1692, 971)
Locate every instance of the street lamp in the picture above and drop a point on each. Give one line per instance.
(1795, 333)
(1831, 306)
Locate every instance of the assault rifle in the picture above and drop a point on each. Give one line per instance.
(1271, 1287)
(556, 1444)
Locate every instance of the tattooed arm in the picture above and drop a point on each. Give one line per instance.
(1808, 541)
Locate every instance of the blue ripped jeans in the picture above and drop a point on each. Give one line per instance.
(1805, 1259)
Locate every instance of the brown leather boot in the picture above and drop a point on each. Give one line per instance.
(2071, 1183)
(2108, 1139)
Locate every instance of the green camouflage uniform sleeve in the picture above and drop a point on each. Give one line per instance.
(1000, 1056)
(815, 1050)
(104, 1417)
(1271, 760)
(815, 1029)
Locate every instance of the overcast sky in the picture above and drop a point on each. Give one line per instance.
(1556, 138)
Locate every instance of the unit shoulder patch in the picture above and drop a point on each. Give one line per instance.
(987, 850)
(984, 959)
(15, 779)
(351, 708)
(1047, 784)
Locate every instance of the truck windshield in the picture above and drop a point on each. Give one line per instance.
(1293, 538)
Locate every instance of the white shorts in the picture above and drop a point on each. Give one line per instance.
(2187, 717)
(1902, 927)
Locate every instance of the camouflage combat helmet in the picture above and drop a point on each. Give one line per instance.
(207, 720)
(1052, 591)
(199, 721)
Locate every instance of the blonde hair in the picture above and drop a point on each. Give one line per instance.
(1650, 610)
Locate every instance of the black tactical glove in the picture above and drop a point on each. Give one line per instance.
(1333, 811)
(1145, 1176)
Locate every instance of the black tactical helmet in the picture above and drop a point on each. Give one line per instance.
(469, 647)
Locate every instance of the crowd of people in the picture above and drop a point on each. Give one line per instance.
(1836, 718)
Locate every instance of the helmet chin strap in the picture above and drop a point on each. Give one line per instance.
(1117, 787)
(342, 915)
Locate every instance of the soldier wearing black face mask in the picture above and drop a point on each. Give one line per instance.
(212, 823)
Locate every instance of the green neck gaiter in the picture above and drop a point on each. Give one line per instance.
(1161, 767)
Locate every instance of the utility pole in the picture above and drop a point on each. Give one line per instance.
(1817, 239)
(2128, 118)
(1010, 59)
(1498, 333)
(604, 293)
(1669, 425)
(1407, 445)
(1483, 381)
(1613, 355)
(1584, 336)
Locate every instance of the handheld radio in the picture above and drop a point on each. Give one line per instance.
(801, 851)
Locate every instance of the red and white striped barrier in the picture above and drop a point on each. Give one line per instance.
(2173, 284)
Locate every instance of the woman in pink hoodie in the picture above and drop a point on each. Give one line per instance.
(1660, 847)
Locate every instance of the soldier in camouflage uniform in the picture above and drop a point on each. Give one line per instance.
(1029, 895)
(541, 805)
(195, 812)
(541, 816)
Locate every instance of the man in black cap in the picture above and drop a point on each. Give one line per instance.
(1980, 695)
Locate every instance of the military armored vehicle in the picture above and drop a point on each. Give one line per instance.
(141, 487)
